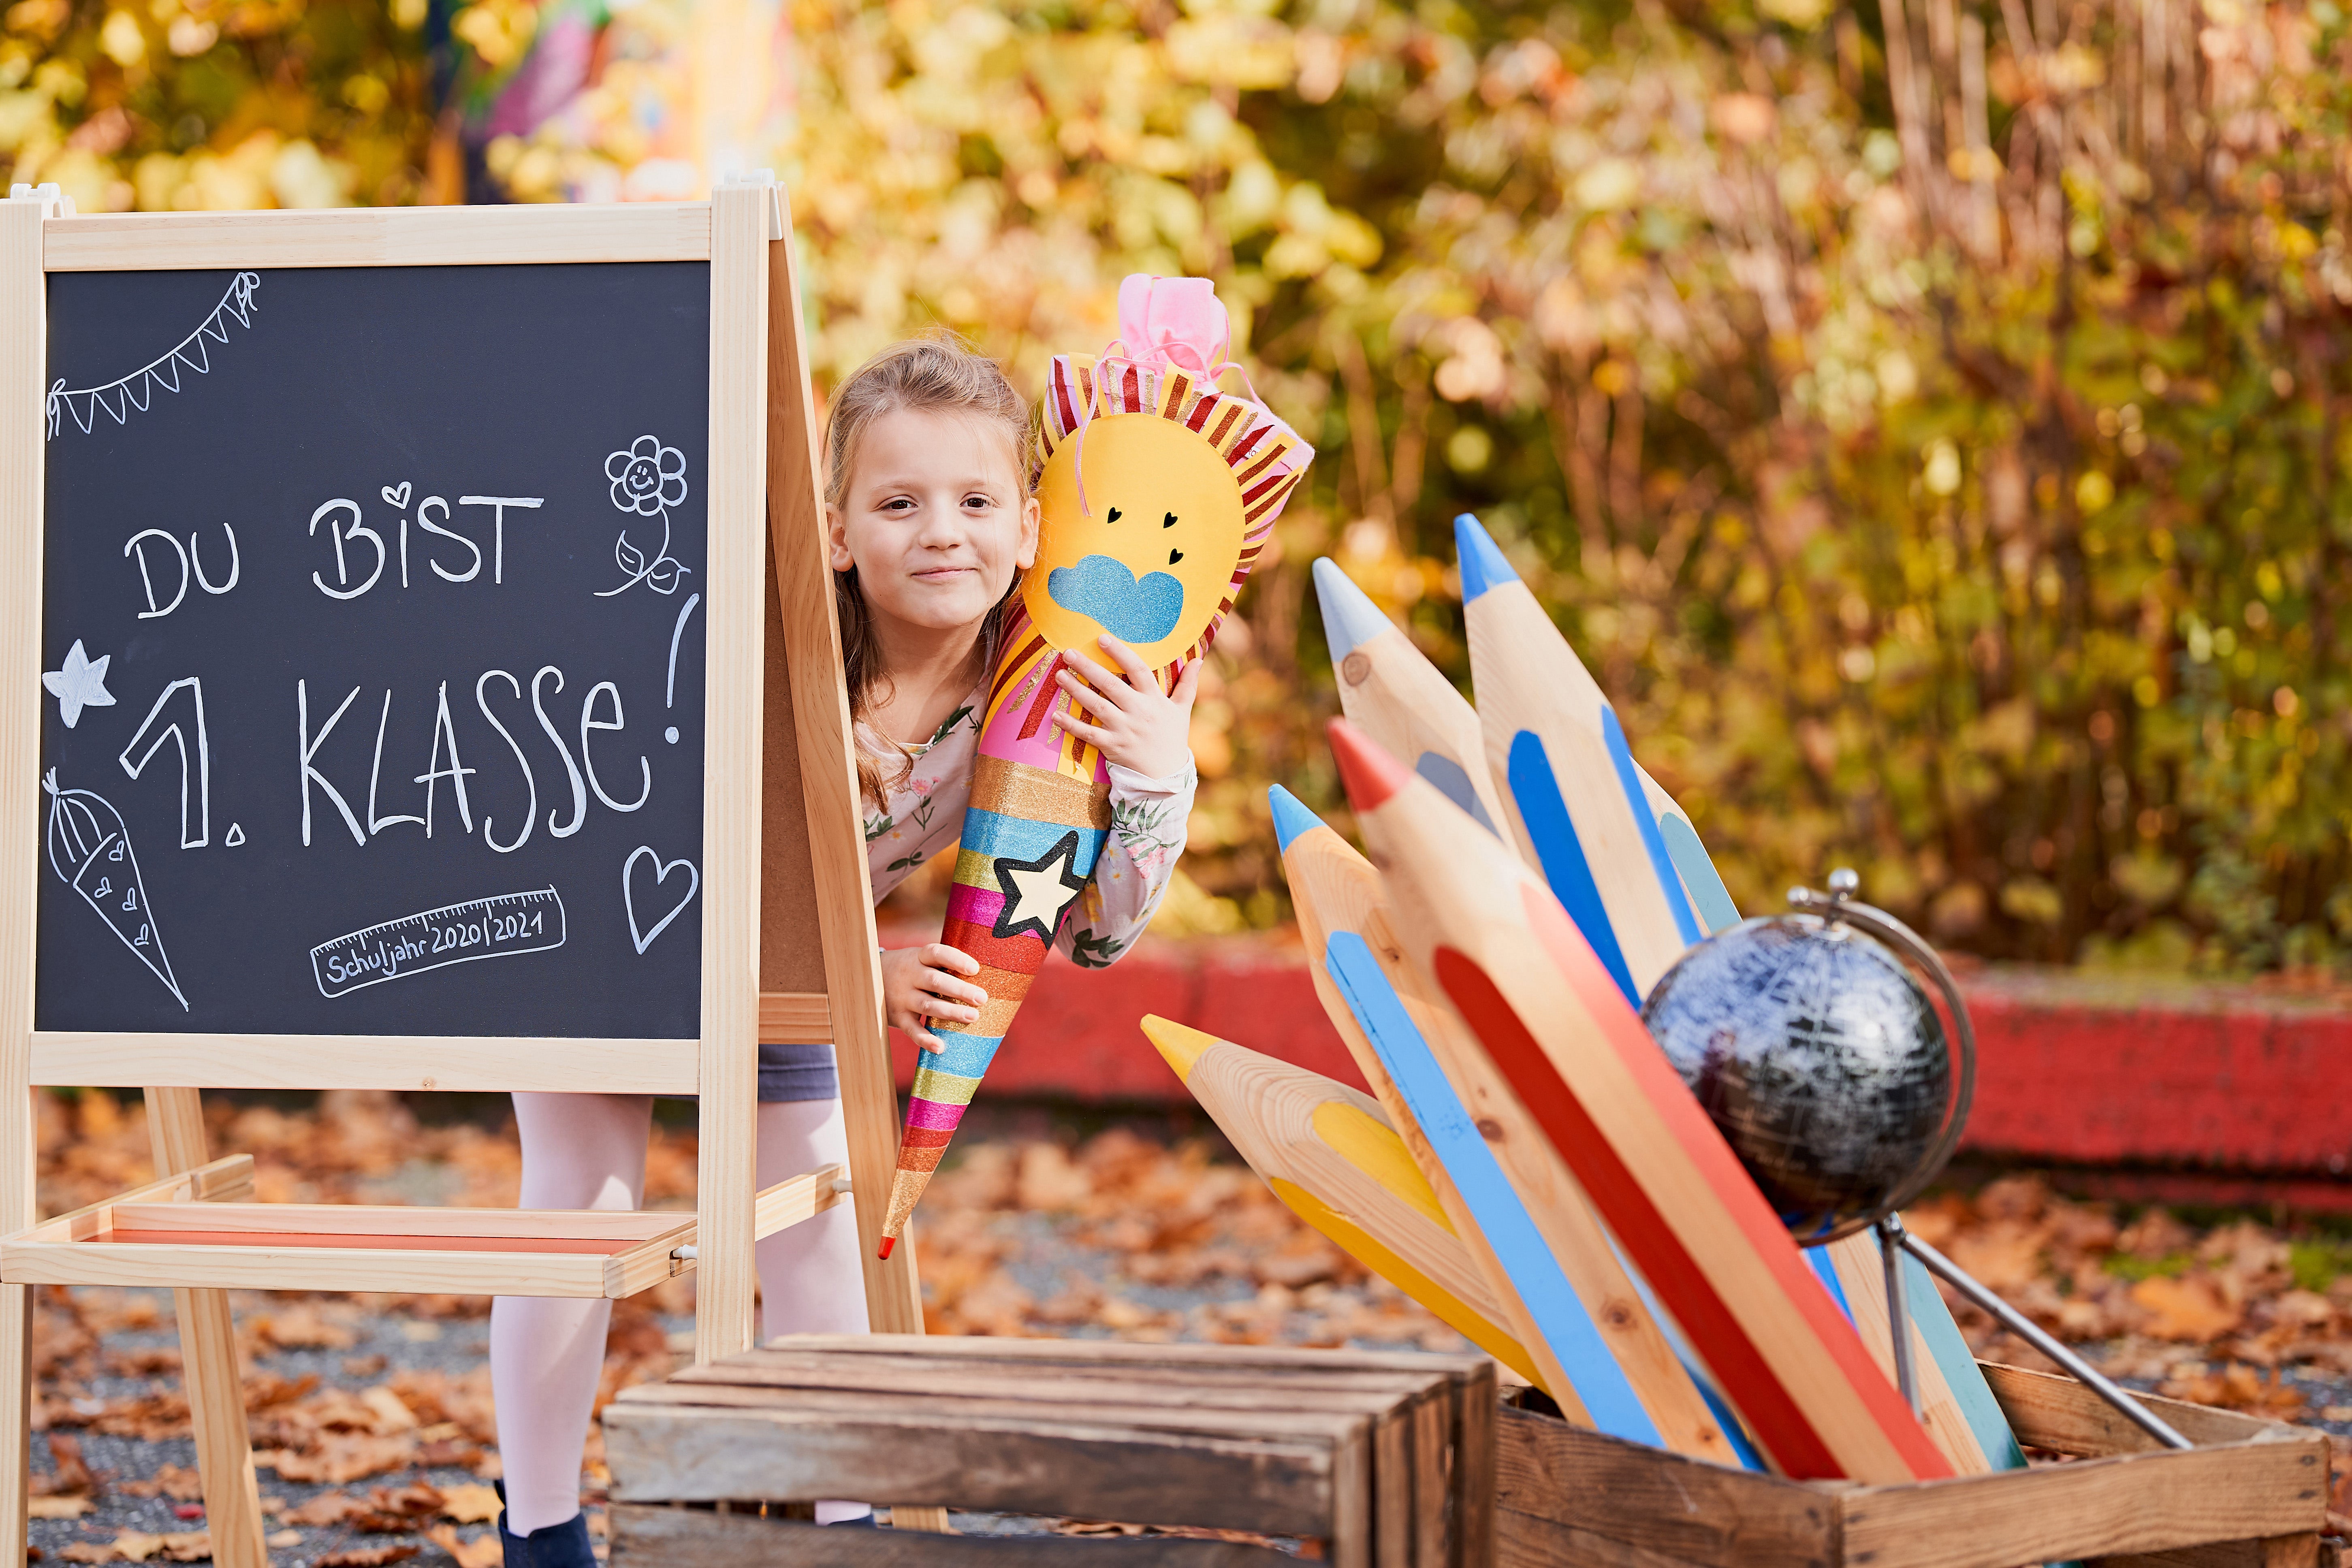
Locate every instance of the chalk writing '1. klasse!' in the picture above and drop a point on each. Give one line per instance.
(443, 762)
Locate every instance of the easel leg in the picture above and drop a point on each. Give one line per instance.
(15, 1419)
(208, 1369)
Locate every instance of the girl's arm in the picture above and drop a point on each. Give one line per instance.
(1137, 863)
(1144, 734)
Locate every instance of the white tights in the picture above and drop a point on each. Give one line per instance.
(588, 1152)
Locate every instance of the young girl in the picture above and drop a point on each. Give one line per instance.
(930, 523)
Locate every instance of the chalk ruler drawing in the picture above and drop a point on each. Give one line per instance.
(497, 927)
(648, 478)
(90, 849)
(137, 390)
(638, 934)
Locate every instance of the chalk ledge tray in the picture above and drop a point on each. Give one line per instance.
(197, 1230)
(2252, 1494)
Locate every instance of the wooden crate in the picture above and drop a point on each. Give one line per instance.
(1388, 1457)
(2252, 1494)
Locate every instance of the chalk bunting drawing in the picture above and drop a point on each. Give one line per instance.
(638, 933)
(497, 927)
(137, 390)
(90, 851)
(648, 478)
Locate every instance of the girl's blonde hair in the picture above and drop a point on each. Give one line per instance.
(937, 373)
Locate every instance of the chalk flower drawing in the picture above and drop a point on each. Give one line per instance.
(648, 478)
(81, 684)
(137, 390)
(90, 849)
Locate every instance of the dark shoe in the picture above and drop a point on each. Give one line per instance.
(561, 1545)
(863, 1522)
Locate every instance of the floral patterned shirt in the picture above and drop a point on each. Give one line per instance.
(924, 813)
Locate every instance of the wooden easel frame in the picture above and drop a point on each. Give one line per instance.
(763, 457)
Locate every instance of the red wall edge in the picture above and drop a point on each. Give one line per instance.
(2104, 1070)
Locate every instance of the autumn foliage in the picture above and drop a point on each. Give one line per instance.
(1926, 417)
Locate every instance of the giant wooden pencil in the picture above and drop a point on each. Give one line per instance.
(1332, 1158)
(1157, 493)
(1540, 710)
(1954, 1401)
(1493, 940)
(1400, 699)
(1573, 1299)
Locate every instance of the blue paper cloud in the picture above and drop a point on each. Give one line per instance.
(1104, 590)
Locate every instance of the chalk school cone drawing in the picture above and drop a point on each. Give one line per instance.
(1561, 1285)
(90, 849)
(1157, 493)
(1490, 939)
(1389, 690)
(1334, 1160)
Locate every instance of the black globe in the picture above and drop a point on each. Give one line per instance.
(1817, 1055)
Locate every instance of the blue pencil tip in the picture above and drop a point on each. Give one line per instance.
(1483, 566)
(1291, 817)
(1350, 618)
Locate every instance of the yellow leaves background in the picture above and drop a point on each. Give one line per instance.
(1926, 420)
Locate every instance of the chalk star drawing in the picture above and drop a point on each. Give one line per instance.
(648, 478)
(137, 390)
(90, 849)
(1037, 891)
(81, 684)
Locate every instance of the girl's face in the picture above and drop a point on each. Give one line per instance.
(934, 517)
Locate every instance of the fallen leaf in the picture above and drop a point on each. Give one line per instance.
(341, 1457)
(180, 1482)
(72, 1507)
(391, 1415)
(366, 1556)
(72, 1474)
(485, 1550)
(470, 1504)
(327, 1507)
(278, 1541)
(302, 1327)
(2190, 1308)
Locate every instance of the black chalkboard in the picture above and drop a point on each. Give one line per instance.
(299, 796)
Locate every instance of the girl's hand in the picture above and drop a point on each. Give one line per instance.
(1136, 724)
(920, 985)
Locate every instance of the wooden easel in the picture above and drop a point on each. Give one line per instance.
(779, 775)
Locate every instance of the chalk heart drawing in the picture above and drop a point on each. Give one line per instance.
(638, 933)
(396, 494)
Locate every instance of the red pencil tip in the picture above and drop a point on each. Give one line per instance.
(887, 1243)
(1369, 774)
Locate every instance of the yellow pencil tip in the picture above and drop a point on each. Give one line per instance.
(1182, 1047)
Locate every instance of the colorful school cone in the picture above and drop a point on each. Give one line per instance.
(1494, 942)
(1333, 1159)
(1157, 494)
(1541, 713)
(1400, 699)
(1561, 1286)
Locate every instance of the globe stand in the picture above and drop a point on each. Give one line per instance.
(1894, 1240)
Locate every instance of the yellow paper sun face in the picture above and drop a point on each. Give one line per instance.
(1153, 562)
